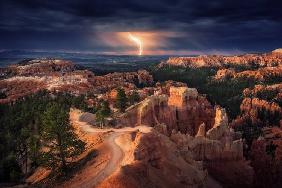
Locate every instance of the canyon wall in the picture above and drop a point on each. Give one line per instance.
(183, 110)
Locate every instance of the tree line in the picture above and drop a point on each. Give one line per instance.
(35, 130)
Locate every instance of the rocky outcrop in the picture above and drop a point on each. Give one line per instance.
(224, 74)
(61, 76)
(220, 125)
(179, 96)
(154, 158)
(37, 67)
(183, 110)
(221, 150)
(267, 59)
(260, 74)
(279, 51)
(260, 112)
(265, 161)
(202, 131)
(265, 92)
(218, 143)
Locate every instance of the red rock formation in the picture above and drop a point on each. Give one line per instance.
(220, 148)
(268, 170)
(41, 67)
(268, 59)
(224, 74)
(183, 110)
(260, 74)
(61, 76)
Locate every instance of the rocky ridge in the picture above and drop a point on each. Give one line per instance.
(267, 59)
(61, 76)
(201, 132)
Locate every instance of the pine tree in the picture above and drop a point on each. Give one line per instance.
(58, 138)
(121, 100)
(134, 97)
(103, 111)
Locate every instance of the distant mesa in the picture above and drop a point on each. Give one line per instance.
(262, 60)
(278, 50)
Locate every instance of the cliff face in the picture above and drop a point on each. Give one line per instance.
(153, 160)
(216, 143)
(183, 110)
(267, 59)
(199, 131)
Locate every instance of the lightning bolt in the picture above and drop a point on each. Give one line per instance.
(137, 41)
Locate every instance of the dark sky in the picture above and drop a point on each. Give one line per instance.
(178, 26)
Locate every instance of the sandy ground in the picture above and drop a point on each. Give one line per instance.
(99, 168)
(110, 153)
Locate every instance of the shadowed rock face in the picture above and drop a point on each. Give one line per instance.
(267, 165)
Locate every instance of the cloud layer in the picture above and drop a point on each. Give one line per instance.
(186, 26)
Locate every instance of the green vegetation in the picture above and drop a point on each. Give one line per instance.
(101, 69)
(133, 97)
(121, 101)
(197, 78)
(103, 112)
(22, 131)
(227, 94)
(58, 138)
(267, 95)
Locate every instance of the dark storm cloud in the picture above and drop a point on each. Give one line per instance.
(223, 25)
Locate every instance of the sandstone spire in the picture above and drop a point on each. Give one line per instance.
(201, 130)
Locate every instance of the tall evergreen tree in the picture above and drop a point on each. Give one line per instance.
(103, 111)
(58, 138)
(134, 97)
(121, 100)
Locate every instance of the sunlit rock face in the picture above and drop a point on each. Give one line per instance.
(260, 74)
(151, 158)
(54, 75)
(183, 110)
(37, 67)
(279, 50)
(267, 59)
(217, 143)
(224, 74)
(199, 131)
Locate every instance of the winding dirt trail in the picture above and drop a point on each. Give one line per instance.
(116, 155)
(114, 152)
(112, 165)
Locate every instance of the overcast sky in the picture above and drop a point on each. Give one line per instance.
(171, 26)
